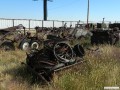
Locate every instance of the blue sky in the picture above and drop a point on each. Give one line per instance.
(61, 9)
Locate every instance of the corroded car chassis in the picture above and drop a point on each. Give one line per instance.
(55, 56)
(14, 36)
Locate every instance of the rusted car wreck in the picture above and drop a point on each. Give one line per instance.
(100, 36)
(15, 37)
(57, 54)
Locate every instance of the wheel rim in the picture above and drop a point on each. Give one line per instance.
(25, 46)
(35, 45)
(63, 52)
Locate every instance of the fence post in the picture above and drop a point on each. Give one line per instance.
(70, 24)
(42, 24)
(29, 24)
(63, 23)
(13, 21)
(53, 24)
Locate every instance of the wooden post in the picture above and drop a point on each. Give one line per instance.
(13, 21)
(53, 24)
(29, 24)
(42, 24)
(62, 23)
(71, 24)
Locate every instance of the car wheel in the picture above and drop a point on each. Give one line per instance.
(34, 44)
(24, 45)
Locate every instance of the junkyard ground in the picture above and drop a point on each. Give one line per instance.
(101, 68)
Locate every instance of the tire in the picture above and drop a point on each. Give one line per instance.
(25, 45)
(34, 44)
(7, 46)
(79, 50)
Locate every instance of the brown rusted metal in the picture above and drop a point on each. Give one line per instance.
(21, 37)
(56, 55)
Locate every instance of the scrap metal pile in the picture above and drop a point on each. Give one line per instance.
(14, 36)
(56, 55)
(111, 37)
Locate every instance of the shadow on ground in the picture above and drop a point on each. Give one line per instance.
(22, 74)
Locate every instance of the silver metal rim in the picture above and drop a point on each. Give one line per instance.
(25, 46)
(35, 45)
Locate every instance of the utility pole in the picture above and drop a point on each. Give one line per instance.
(88, 15)
(44, 8)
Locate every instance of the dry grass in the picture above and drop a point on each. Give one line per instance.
(100, 69)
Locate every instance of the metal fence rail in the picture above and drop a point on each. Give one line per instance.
(31, 23)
